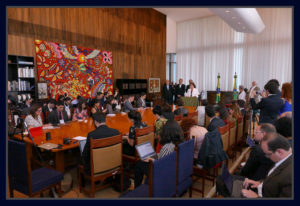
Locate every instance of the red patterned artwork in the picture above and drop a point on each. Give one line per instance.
(73, 70)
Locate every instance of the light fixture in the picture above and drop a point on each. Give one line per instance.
(239, 22)
(227, 11)
(233, 17)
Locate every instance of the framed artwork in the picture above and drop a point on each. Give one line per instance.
(154, 85)
(42, 90)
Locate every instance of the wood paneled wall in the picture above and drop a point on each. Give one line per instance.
(136, 36)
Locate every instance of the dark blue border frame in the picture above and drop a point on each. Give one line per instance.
(135, 3)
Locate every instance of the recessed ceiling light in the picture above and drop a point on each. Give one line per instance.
(233, 17)
(227, 11)
(239, 22)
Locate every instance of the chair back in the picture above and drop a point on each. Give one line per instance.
(246, 123)
(185, 161)
(193, 115)
(224, 132)
(19, 170)
(240, 127)
(106, 154)
(178, 118)
(232, 126)
(162, 176)
(145, 134)
(207, 120)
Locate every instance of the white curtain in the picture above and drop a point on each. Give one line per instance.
(208, 46)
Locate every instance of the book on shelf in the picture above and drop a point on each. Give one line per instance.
(25, 62)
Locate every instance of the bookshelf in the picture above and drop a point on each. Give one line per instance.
(21, 77)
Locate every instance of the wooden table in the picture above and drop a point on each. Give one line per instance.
(76, 128)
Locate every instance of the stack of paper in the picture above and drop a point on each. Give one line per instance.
(79, 138)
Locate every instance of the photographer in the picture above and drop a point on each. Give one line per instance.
(270, 105)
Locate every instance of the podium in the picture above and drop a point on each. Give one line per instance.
(190, 101)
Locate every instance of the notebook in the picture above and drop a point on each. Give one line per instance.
(146, 150)
(234, 187)
(81, 146)
(250, 142)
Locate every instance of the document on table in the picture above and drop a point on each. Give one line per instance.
(79, 138)
(48, 146)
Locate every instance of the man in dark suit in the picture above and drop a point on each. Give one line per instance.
(179, 90)
(278, 182)
(47, 108)
(141, 101)
(270, 105)
(215, 122)
(59, 115)
(258, 165)
(167, 92)
(101, 131)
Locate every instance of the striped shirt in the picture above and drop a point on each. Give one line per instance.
(166, 149)
(31, 122)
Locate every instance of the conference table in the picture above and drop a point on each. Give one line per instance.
(76, 128)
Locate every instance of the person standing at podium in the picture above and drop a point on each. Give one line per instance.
(192, 91)
(179, 90)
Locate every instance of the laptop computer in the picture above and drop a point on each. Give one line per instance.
(81, 146)
(146, 150)
(234, 187)
(250, 142)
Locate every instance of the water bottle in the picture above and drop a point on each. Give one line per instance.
(151, 103)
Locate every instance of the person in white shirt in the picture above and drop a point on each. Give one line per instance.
(67, 102)
(192, 91)
(279, 179)
(242, 93)
(33, 119)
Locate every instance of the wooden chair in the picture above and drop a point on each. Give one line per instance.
(178, 118)
(225, 134)
(141, 136)
(106, 161)
(193, 115)
(207, 120)
(232, 137)
(239, 134)
(246, 124)
(22, 178)
(162, 179)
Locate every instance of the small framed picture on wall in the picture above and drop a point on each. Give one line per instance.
(154, 85)
(42, 90)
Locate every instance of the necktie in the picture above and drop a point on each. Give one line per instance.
(191, 92)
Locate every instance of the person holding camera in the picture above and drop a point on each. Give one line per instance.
(270, 105)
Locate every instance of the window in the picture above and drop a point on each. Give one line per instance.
(171, 67)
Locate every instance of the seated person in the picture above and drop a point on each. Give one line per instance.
(80, 112)
(215, 122)
(195, 132)
(59, 115)
(159, 123)
(167, 112)
(286, 95)
(95, 104)
(258, 165)
(67, 102)
(76, 101)
(33, 119)
(181, 109)
(47, 108)
(171, 136)
(101, 131)
(26, 106)
(284, 127)
(235, 111)
(278, 182)
(141, 101)
(223, 114)
(201, 112)
(192, 91)
(129, 144)
(241, 104)
(128, 104)
(109, 105)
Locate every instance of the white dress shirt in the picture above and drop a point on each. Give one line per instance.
(194, 93)
(242, 96)
(259, 188)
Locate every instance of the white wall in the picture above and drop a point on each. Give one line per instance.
(171, 36)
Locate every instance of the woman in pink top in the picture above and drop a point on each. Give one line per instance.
(190, 127)
(80, 112)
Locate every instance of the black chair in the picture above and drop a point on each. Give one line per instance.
(22, 179)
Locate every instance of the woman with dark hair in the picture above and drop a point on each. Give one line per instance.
(224, 114)
(61, 98)
(171, 136)
(109, 105)
(286, 94)
(80, 112)
(235, 111)
(136, 118)
(95, 106)
(33, 119)
(195, 132)
(192, 91)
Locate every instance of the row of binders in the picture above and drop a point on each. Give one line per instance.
(26, 72)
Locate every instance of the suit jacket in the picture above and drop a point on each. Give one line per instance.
(257, 165)
(141, 103)
(279, 182)
(269, 108)
(53, 117)
(215, 123)
(128, 106)
(180, 90)
(100, 132)
(181, 110)
(168, 94)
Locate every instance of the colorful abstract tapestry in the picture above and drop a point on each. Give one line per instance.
(73, 70)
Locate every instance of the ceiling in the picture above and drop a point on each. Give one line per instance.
(183, 14)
